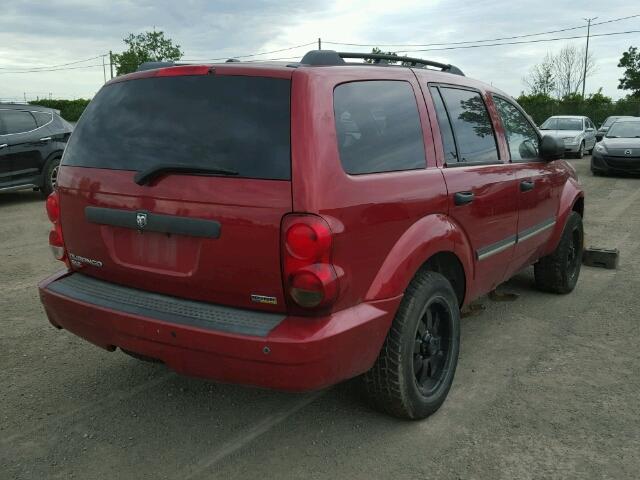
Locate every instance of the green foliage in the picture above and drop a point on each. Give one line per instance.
(145, 47)
(595, 106)
(390, 62)
(630, 61)
(70, 110)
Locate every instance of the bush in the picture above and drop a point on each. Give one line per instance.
(596, 106)
(70, 110)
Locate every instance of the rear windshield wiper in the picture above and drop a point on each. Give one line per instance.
(145, 176)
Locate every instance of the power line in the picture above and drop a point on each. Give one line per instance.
(479, 41)
(253, 54)
(55, 66)
(521, 42)
(52, 70)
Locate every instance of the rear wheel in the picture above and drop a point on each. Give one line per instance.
(50, 176)
(559, 271)
(414, 371)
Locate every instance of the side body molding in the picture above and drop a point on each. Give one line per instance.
(430, 235)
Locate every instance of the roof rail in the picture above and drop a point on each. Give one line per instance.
(331, 57)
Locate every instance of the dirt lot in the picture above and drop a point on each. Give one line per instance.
(547, 387)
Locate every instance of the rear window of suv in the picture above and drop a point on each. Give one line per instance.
(238, 123)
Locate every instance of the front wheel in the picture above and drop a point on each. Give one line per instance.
(559, 271)
(580, 152)
(414, 371)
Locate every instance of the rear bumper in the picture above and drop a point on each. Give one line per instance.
(298, 354)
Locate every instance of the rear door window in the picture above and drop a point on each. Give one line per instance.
(471, 124)
(16, 121)
(239, 123)
(42, 118)
(378, 127)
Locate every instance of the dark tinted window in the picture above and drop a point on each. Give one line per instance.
(448, 144)
(521, 137)
(42, 118)
(233, 122)
(471, 125)
(16, 121)
(378, 127)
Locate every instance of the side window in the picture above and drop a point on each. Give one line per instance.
(42, 118)
(378, 127)
(16, 121)
(471, 126)
(448, 143)
(522, 138)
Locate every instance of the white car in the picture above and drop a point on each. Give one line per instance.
(577, 132)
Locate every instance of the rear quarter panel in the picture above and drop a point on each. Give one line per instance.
(385, 225)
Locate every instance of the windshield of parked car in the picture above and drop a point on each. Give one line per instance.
(622, 129)
(232, 123)
(562, 124)
(609, 121)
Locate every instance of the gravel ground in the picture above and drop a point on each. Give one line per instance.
(547, 387)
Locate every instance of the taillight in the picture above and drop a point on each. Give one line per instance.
(310, 278)
(56, 241)
(53, 207)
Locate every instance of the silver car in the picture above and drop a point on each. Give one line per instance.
(577, 132)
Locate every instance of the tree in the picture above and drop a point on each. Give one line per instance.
(390, 62)
(145, 47)
(541, 79)
(560, 73)
(630, 61)
(569, 67)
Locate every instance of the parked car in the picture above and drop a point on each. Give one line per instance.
(578, 133)
(619, 150)
(32, 139)
(602, 131)
(295, 225)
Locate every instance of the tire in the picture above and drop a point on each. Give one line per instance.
(49, 176)
(580, 152)
(416, 365)
(559, 271)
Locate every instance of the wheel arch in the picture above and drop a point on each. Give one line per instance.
(571, 200)
(435, 243)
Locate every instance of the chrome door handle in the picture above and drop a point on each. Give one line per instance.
(45, 139)
(4, 145)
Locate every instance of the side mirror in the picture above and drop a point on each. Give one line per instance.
(551, 148)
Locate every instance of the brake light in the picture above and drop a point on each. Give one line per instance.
(310, 278)
(56, 241)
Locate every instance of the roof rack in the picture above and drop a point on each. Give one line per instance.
(331, 57)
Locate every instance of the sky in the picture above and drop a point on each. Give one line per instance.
(36, 34)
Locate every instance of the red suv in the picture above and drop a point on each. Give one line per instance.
(295, 225)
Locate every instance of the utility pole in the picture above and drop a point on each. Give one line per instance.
(104, 70)
(319, 44)
(111, 62)
(586, 53)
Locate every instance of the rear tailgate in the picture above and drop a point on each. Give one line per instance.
(203, 237)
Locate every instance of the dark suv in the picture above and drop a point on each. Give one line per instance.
(295, 225)
(32, 139)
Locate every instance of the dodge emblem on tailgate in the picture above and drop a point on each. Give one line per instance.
(141, 220)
